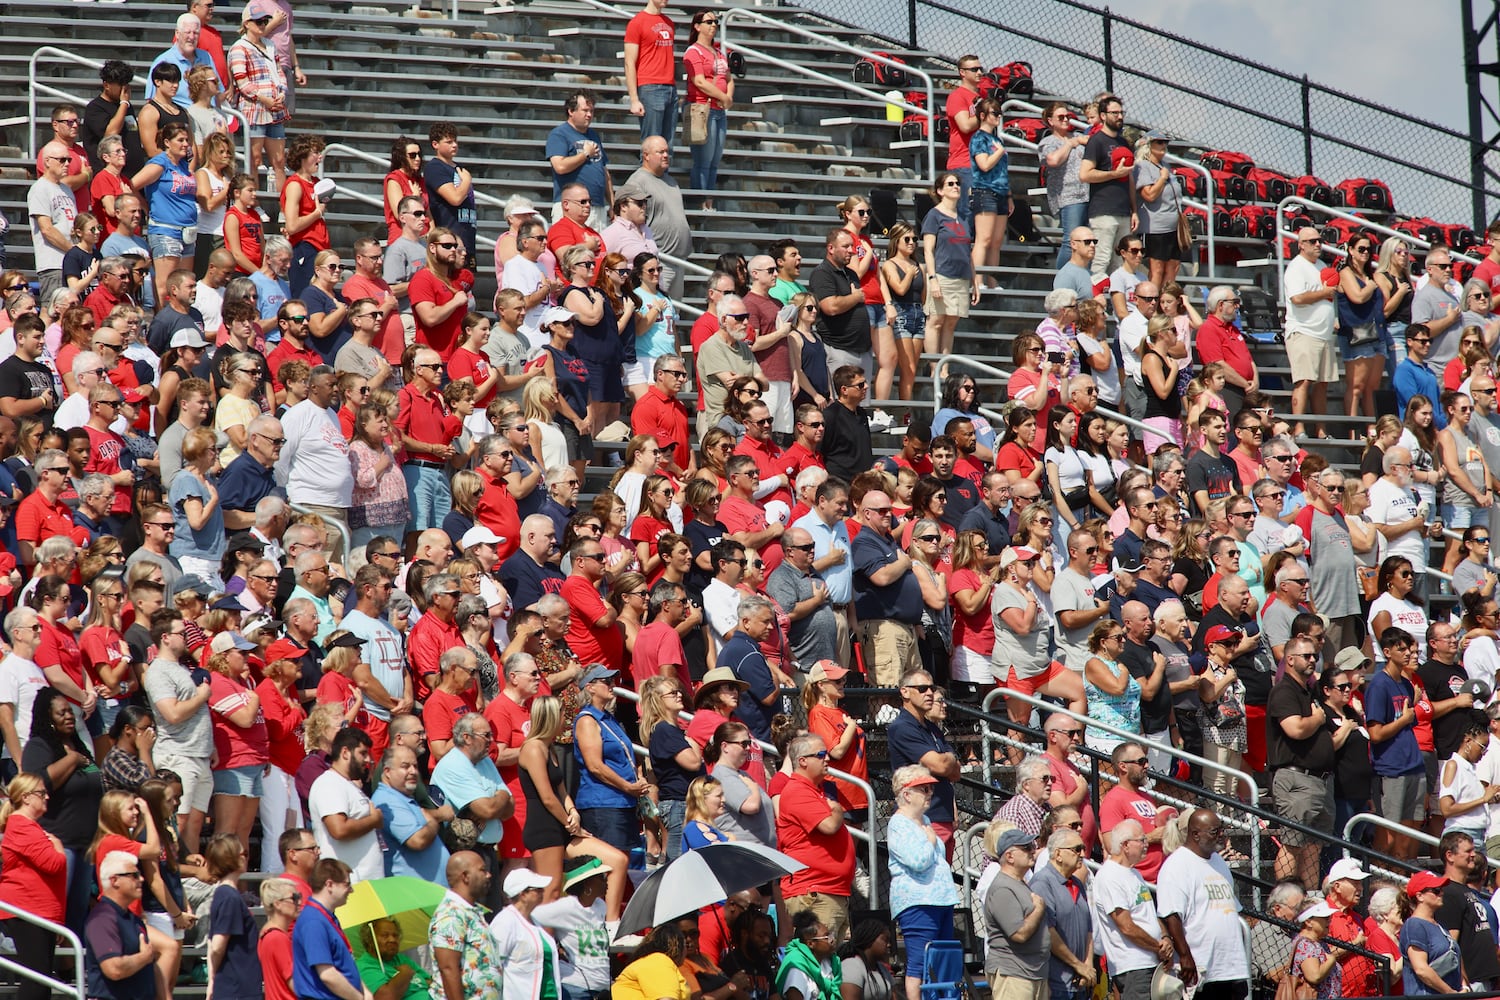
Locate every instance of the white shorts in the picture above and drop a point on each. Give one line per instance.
(197, 780)
(971, 667)
(163, 923)
(637, 372)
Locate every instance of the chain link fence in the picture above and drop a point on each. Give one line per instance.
(1209, 98)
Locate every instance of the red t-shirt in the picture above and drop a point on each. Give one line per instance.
(475, 367)
(960, 99)
(511, 723)
(1121, 803)
(107, 185)
(251, 233)
(284, 720)
(56, 647)
(391, 340)
(830, 724)
(976, 631)
(709, 63)
(100, 644)
(336, 689)
(566, 233)
(656, 644)
(275, 953)
(737, 514)
(439, 713)
(589, 643)
(1014, 455)
(829, 856)
(410, 187)
(656, 36)
(116, 842)
(770, 461)
(701, 730)
(235, 746)
(34, 875)
(105, 449)
(665, 419)
(646, 528)
(497, 511)
(1488, 272)
(315, 234)
(428, 287)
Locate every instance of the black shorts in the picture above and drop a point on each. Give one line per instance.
(1161, 246)
(580, 446)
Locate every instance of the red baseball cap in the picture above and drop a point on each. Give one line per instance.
(1222, 633)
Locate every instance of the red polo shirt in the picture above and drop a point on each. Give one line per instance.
(565, 233)
(770, 461)
(422, 417)
(829, 856)
(101, 302)
(284, 352)
(497, 511)
(430, 638)
(666, 419)
(1218, 341)
(37, 520)
(590, 643)
(738, 515)
(800, 458)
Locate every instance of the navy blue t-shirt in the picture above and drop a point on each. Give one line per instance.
(672, 779)
(1385, 699)
(245, 483)
(907, 739)
(742, 655)
(702, 537)
(962, 496)
(239, 977)
(319, 301)
(901, 601)
(526, 582)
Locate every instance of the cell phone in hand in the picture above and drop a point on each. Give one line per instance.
(1056, 357)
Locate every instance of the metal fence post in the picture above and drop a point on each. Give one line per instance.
(1109, 51)
(911, 23)
(1307, 157)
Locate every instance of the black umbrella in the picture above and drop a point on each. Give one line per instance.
(702, 878)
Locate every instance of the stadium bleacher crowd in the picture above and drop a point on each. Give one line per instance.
(300, 593)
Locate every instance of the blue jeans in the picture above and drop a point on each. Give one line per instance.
(673, 814)
(1070, 217)
(80, 881)
(428, 496)
(706, 156)
(660, 102)
(301, 273)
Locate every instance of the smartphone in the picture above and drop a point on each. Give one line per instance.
(1056, 357)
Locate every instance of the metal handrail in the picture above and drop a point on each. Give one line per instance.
(869, 836)
(1208, 180)
(828, 42)
(1405, 831)
(360, 196)
(339, 147)
(343, 531)
(59, 55)
(76, 988)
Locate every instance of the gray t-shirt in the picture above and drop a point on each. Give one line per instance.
(874, 981)
(1276, 623)
(1265, 535)
(1063, 185)
(170, 571)
(358, 358)
(1158, 217)
(193, 737)
(813, 637)
(1070, 275)
(1335, 588)
(665, 213)
(1466, 576)
(1179, 668)
(507, 353)
(403, 258)
(169, 450)
(1006, 907)
(759, 826)
(1431, 302)
(1072, 591)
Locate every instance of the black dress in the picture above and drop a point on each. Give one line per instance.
(542, 830)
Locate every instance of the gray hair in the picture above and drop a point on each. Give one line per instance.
(753, 604)
(1126, 829)
(96, 484)
(1059, 299)
(1284, 894)
(1279, 442)
(469, 606)
(1163, 460)
(18, 618)
(491, 444)
(305, 561)
(300, 534)
(268, 510)
(453, 657)
(437, 583)
(729, 304)
(298, 606)
(1060, 838)
(1382, 901)
(662, 592)
(1285, 572)
(548, 604)
(464, 727)
(905, 774)
(1166, 610)
(264, 425)
(813, 475)
(57, 296)
(318, 371)
(518, 661)
(1394, 456)
(108, 145)
(804, 746)
(115, 264)
(1031, 767)
(276, 244)
(398, 604)
(55, 548)
(1218, 294)
(118, 862)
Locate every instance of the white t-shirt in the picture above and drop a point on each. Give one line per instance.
(1314, 319)
(1390, 504)
(20, 680)
(1108, 380)
(525, 277)
(1116, 887)
(1482, 662)
(584, 939)
(1488, 770)
(314, 462)
(1124, 280)
(721, 606)
(57, 204)
(1405, 615)
(1072, 591)
(333, 793)
(1132, 336)
(1201, 892)
(210, 301)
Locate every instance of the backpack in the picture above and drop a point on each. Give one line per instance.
(1268, 185)
(1338, 231)
(914, 128)
(1011, 80)
(1230, 186)
(1030, 129)
(1365, 193)
(1259, 220)
(1020, 224)
(1314, 189)
(1239, 163)
(1225, 224)
(869, 72)
(1191, 180)
(736, 62)
(885, 210)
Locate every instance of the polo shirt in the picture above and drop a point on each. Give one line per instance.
(497, 511)
(847, 331)
(907, 739)
(770, 461)
(174, 56)
(428, 640)
(743, 656)
(37, 520)
(899, 601)
(318, 939)
(400, 818)
(111, 931)
(994, 523)
(1067, 916)
(1219, 341)
(740, 515)
(829, 856)
(665, 418)
(526, 582)
(565, 233)
(422, 417)
(245, 483)
(287, 351)
(591, 644)
(846, 441)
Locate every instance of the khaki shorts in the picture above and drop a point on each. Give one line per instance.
(955, 298)
(1016, 988)
(832, 911)
(890, 650)
(1312, 360)
(197, 780)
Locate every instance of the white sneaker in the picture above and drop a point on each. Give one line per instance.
(880, 421)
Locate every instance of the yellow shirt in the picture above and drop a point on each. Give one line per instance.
(654, 977)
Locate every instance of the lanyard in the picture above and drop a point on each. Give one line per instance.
(314, 904)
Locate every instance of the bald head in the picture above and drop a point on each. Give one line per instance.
(538, 536)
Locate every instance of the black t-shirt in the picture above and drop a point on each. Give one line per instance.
(850, 330)
(78, 260)
(73, 809)
(138, 638)
(1255, 669)
(1463, 912)
(1353, 773)
(1372, 462)
(96, 116)
(1288, 700)
(1215, 473)
(963, 496)
(1156, 712)
(846, 441)
(1111, 197)
(702, 537)
(526, 582)
(21, 379)
(1442, 681)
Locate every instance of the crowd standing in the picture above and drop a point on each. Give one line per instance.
(293, 543)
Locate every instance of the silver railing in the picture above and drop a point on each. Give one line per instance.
(75, 989)
(343, 531)
(868, 834)
(47, 53)
(340, 149)
(1405, 831)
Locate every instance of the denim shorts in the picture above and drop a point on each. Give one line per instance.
(276, 131)
(985, 200)
(1458, 516)
(167, 245)
(244, 781)
(911, 321)
(876, 313)
(1367, 350)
